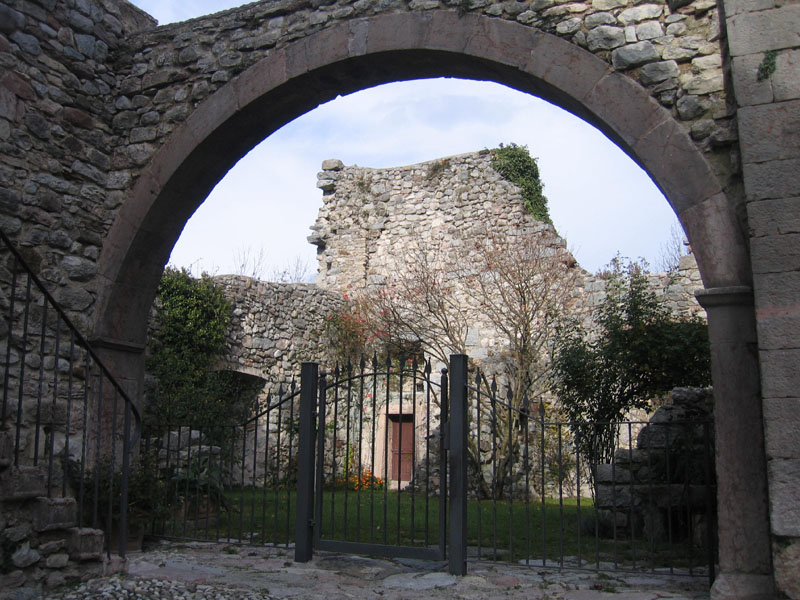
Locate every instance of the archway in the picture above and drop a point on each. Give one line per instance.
(365, 52)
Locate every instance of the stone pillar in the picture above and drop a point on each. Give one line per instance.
(742, 509)
(764, 50)
(125, 363)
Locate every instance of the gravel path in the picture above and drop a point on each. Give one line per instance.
(153, 589)
(200, 571)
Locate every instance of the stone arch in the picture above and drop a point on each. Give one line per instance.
(230, 364)
(348, 56)
(361, 53)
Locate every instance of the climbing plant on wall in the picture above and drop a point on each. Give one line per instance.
(516, 164)
(191, 322)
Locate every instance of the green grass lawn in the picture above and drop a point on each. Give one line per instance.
(502, 530)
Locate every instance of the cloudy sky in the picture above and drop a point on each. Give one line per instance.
(600, 200)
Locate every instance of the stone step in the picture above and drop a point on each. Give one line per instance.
(51, 514)
(22, 483)
(85, 543)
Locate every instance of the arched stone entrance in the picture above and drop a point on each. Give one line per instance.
(106, 154)
(358, 54)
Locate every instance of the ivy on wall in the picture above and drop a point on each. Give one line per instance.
(192, 319)
(516, 165)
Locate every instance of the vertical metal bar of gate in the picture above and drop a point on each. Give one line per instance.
(304, 523)
(457, 563)
(444, 412)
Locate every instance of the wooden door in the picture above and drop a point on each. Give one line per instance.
(402, 449)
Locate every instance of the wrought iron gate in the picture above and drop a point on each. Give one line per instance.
(372, 463)
(511, 483)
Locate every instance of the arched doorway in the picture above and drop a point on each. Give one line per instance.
(349, 56)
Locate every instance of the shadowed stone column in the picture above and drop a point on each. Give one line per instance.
(125, 362)
(742, 508)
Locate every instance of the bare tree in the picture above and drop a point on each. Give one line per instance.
(421, 303)
(672, 250)
(518, 287)
(249, 262)
(296, 270)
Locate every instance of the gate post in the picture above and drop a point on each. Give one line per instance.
(457, 557)
(304, 521)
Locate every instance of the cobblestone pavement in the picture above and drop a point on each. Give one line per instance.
(219, 572)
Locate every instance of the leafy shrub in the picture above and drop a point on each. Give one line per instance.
(639, 350)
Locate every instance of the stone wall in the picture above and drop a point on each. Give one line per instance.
(661, 485)
(56, 148)
(275, 327)
(41, 545)
(90, 90)
(372, 218)
(100, 156)
(768, 113)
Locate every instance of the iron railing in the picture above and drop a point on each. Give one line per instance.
(535, 499)
(232, 483)
(63, 413)
(504, 481)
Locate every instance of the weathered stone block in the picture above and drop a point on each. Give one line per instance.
(17, 533)
(6, 448)
(658, 71)
(605, 37)
(54, 513)
(776, 253)
(52, 546)
(770, 217)
(787, 568)
(12, 580)
(770, 131)
(640, 13)
(22, 483)
(610, 496)
(607, 4)
(782, 427)
(57, 561)
(751, 32)
(779, 329)
(25, 556)
(780, 377)
(704, 83)
(749, 90)
(734, 586)
(777, 309)
(786, 79)
(600, 18)
(784, 490)
(607, 473)
(85, 543)
(649, 30)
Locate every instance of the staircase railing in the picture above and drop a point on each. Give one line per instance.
(66, 423)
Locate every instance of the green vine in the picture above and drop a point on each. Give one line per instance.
(767, 66)
(516, 165)
(191, 322)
